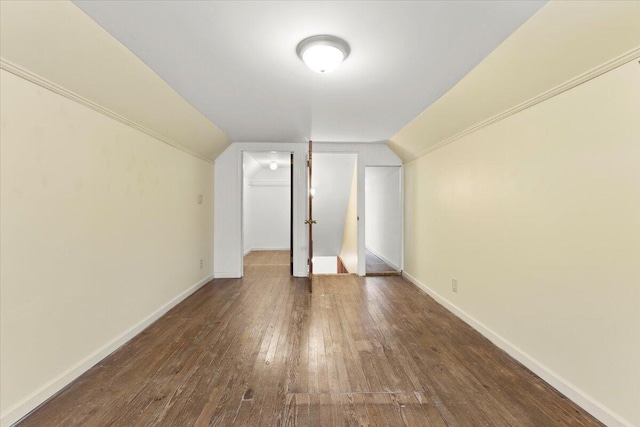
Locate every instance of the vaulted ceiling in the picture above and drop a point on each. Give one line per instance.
(197, 75)
(236, 63)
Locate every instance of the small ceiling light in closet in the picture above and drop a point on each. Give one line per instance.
(273, 166)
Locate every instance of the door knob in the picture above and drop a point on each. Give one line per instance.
(310, 221)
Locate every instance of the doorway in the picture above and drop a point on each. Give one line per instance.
(267, 208)
(334, 192)
(383, 226)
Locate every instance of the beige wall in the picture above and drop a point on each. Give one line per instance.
(563, 40)
(57, 43)
(349, 249)
(100, 229)
(538, 218)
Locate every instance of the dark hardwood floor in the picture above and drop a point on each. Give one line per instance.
(262, 351)
(377, 267)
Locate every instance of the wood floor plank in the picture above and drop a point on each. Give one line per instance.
(261, 350)
(374, 266)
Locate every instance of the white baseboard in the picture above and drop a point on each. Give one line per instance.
(16, 412)
(578, 396)
(392, 265)
(225, 275)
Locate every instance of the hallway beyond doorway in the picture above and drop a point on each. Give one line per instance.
(377, 267)
(255, 258)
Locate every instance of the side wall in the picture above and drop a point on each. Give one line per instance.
(383, 196)
(349, 249)
(249, 167)
(538, 218)
(101, 233)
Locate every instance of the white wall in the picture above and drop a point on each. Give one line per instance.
(538, 218)
(101, 232)
(349, 246)
(267, 224)
(332, 176)
(249, 168)
(383, 198)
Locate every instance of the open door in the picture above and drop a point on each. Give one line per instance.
(291, 216)
(310, 221)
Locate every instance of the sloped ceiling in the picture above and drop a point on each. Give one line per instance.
(235, 60)
(406, 80)
(56, 43)
(564, 40)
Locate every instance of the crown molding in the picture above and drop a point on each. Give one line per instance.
(570, 84)
(49, 85)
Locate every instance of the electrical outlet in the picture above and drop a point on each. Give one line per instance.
(201, 263)
(454, 285)
(199, 199)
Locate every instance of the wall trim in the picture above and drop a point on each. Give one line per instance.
(226, 275)
(557, 90)
(268, 183)
(47, 391)
(248, 251)
(270, 249)
(49, 85)
(384, 259)
(585, 401)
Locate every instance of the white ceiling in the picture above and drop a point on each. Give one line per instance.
(236, 62)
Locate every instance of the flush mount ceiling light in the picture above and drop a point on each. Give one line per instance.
(273, 166)
(323, 53)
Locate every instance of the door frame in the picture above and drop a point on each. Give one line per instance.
(292, 188)
(227, 221)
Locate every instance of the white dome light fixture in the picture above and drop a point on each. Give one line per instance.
(323, 53)
(273, 166)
